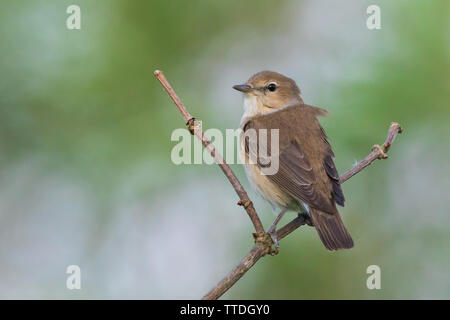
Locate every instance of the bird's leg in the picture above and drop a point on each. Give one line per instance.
(273, 229)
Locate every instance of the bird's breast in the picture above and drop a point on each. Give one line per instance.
(260, 182)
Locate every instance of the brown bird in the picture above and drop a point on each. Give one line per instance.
(306, 179)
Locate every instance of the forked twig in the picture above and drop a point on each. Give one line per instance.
(263, 241)
(190, 122)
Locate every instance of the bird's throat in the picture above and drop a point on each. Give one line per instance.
(253, 106)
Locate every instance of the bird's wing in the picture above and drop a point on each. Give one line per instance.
(306, 168)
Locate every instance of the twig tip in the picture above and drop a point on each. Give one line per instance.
(397, 126)
(157, 72)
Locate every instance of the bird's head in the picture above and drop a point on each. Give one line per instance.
(267, 91)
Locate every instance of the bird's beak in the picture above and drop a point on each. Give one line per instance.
(243, 88)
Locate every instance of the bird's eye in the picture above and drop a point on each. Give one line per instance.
(272, 87)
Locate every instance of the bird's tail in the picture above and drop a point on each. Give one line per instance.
(331, 230)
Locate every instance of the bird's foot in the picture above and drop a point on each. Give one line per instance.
(273, 235)
(273, 231)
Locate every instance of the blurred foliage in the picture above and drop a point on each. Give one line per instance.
(85, 104)
(87, 100)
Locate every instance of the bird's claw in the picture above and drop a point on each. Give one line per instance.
(274, 237)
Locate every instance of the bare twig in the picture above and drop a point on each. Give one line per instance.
(263, 241)
(262, 247)
(243, 196)
(378, 152)
(259, 251)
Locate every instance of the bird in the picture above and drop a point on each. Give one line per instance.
(306, 179)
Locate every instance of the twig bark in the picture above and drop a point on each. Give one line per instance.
(198, 132)
(263, 241)
(378, 152)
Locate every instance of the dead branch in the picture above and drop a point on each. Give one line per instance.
(263, 241)
(191, 123)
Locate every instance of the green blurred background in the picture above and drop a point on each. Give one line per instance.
(85, 170)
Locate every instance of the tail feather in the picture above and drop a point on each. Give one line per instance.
(331, 230)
